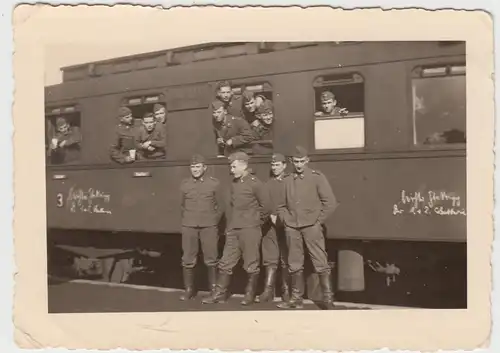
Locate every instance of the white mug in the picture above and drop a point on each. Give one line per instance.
(132, 154)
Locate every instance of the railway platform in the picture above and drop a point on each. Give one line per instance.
(89, 296)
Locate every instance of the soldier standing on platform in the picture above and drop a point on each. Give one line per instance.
(309, 201)
(232, 133)
(274, 250)
(248, 206)
(201, 210)
(123, 146)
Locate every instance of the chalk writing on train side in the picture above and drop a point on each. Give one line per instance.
(88, 201)
(441, 203)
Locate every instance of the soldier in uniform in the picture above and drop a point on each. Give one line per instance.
(262, 128)
(123, 145)
(201, 210)
(233, 104)
(250, 103)
(248, 206)
(233, 133)
(65, 144)
(160, 113)
(329, 106)
(309, 201)
(274, 251)
(150, 139)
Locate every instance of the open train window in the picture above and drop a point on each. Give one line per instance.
(62, 134)
(141, 105)
(257, 108)
(339, 118)
(439, 105)
(150, 114)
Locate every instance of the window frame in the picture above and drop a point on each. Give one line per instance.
(243, 83)
(48, 117)
(414, 72)
(315, 86)
(124, 102)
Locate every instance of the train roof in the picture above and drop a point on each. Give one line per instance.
(181, 56)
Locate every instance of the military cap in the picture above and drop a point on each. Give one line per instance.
(157, 107)
(278, 157)
(197, 159)
(217, 104)
(239, 156)
(299, 152)
(247, 96)
(265, 107)
(124, 111)
(61, 121)
(148, 115)
(327, 95)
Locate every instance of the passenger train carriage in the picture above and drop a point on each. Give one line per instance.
(396, 161)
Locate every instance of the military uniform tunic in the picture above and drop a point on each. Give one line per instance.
(263, 139)
(238, 130)
(123, 142)
(248, 206)
(201, 209)
(274, 248)
(308, 203)
(158, 141)
(70, 152)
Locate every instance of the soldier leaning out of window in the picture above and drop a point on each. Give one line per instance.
(150, 138)
(160, 113)
(329, 106)
(251, 103)
(123, 148)
(65, 144)
(232, 133)
(263, 128)
(224, 93)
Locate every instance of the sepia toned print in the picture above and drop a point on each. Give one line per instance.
(393, 231)
(264, 178)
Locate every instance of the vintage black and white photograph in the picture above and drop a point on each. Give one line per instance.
(259, 176)
(312, 179)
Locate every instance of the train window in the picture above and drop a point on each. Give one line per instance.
(146, 104)
(63, 137)
(149, 113)
(339, 118)
(439, 105)
(258, 110)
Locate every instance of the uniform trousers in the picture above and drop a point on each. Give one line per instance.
(313, 237)
(192, 237)
(243, 242)
(274, 247)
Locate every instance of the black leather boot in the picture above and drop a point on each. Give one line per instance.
(188, 274)
(212, 278)
(268, 293)
(285, 288)
(296, 300)
(250, 289)
(326, 286)
(218, 295)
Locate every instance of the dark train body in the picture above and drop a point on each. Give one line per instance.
(394, 163)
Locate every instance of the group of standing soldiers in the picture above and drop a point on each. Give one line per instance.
(278, 216)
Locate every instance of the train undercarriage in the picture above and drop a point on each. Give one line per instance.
(378, 272)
